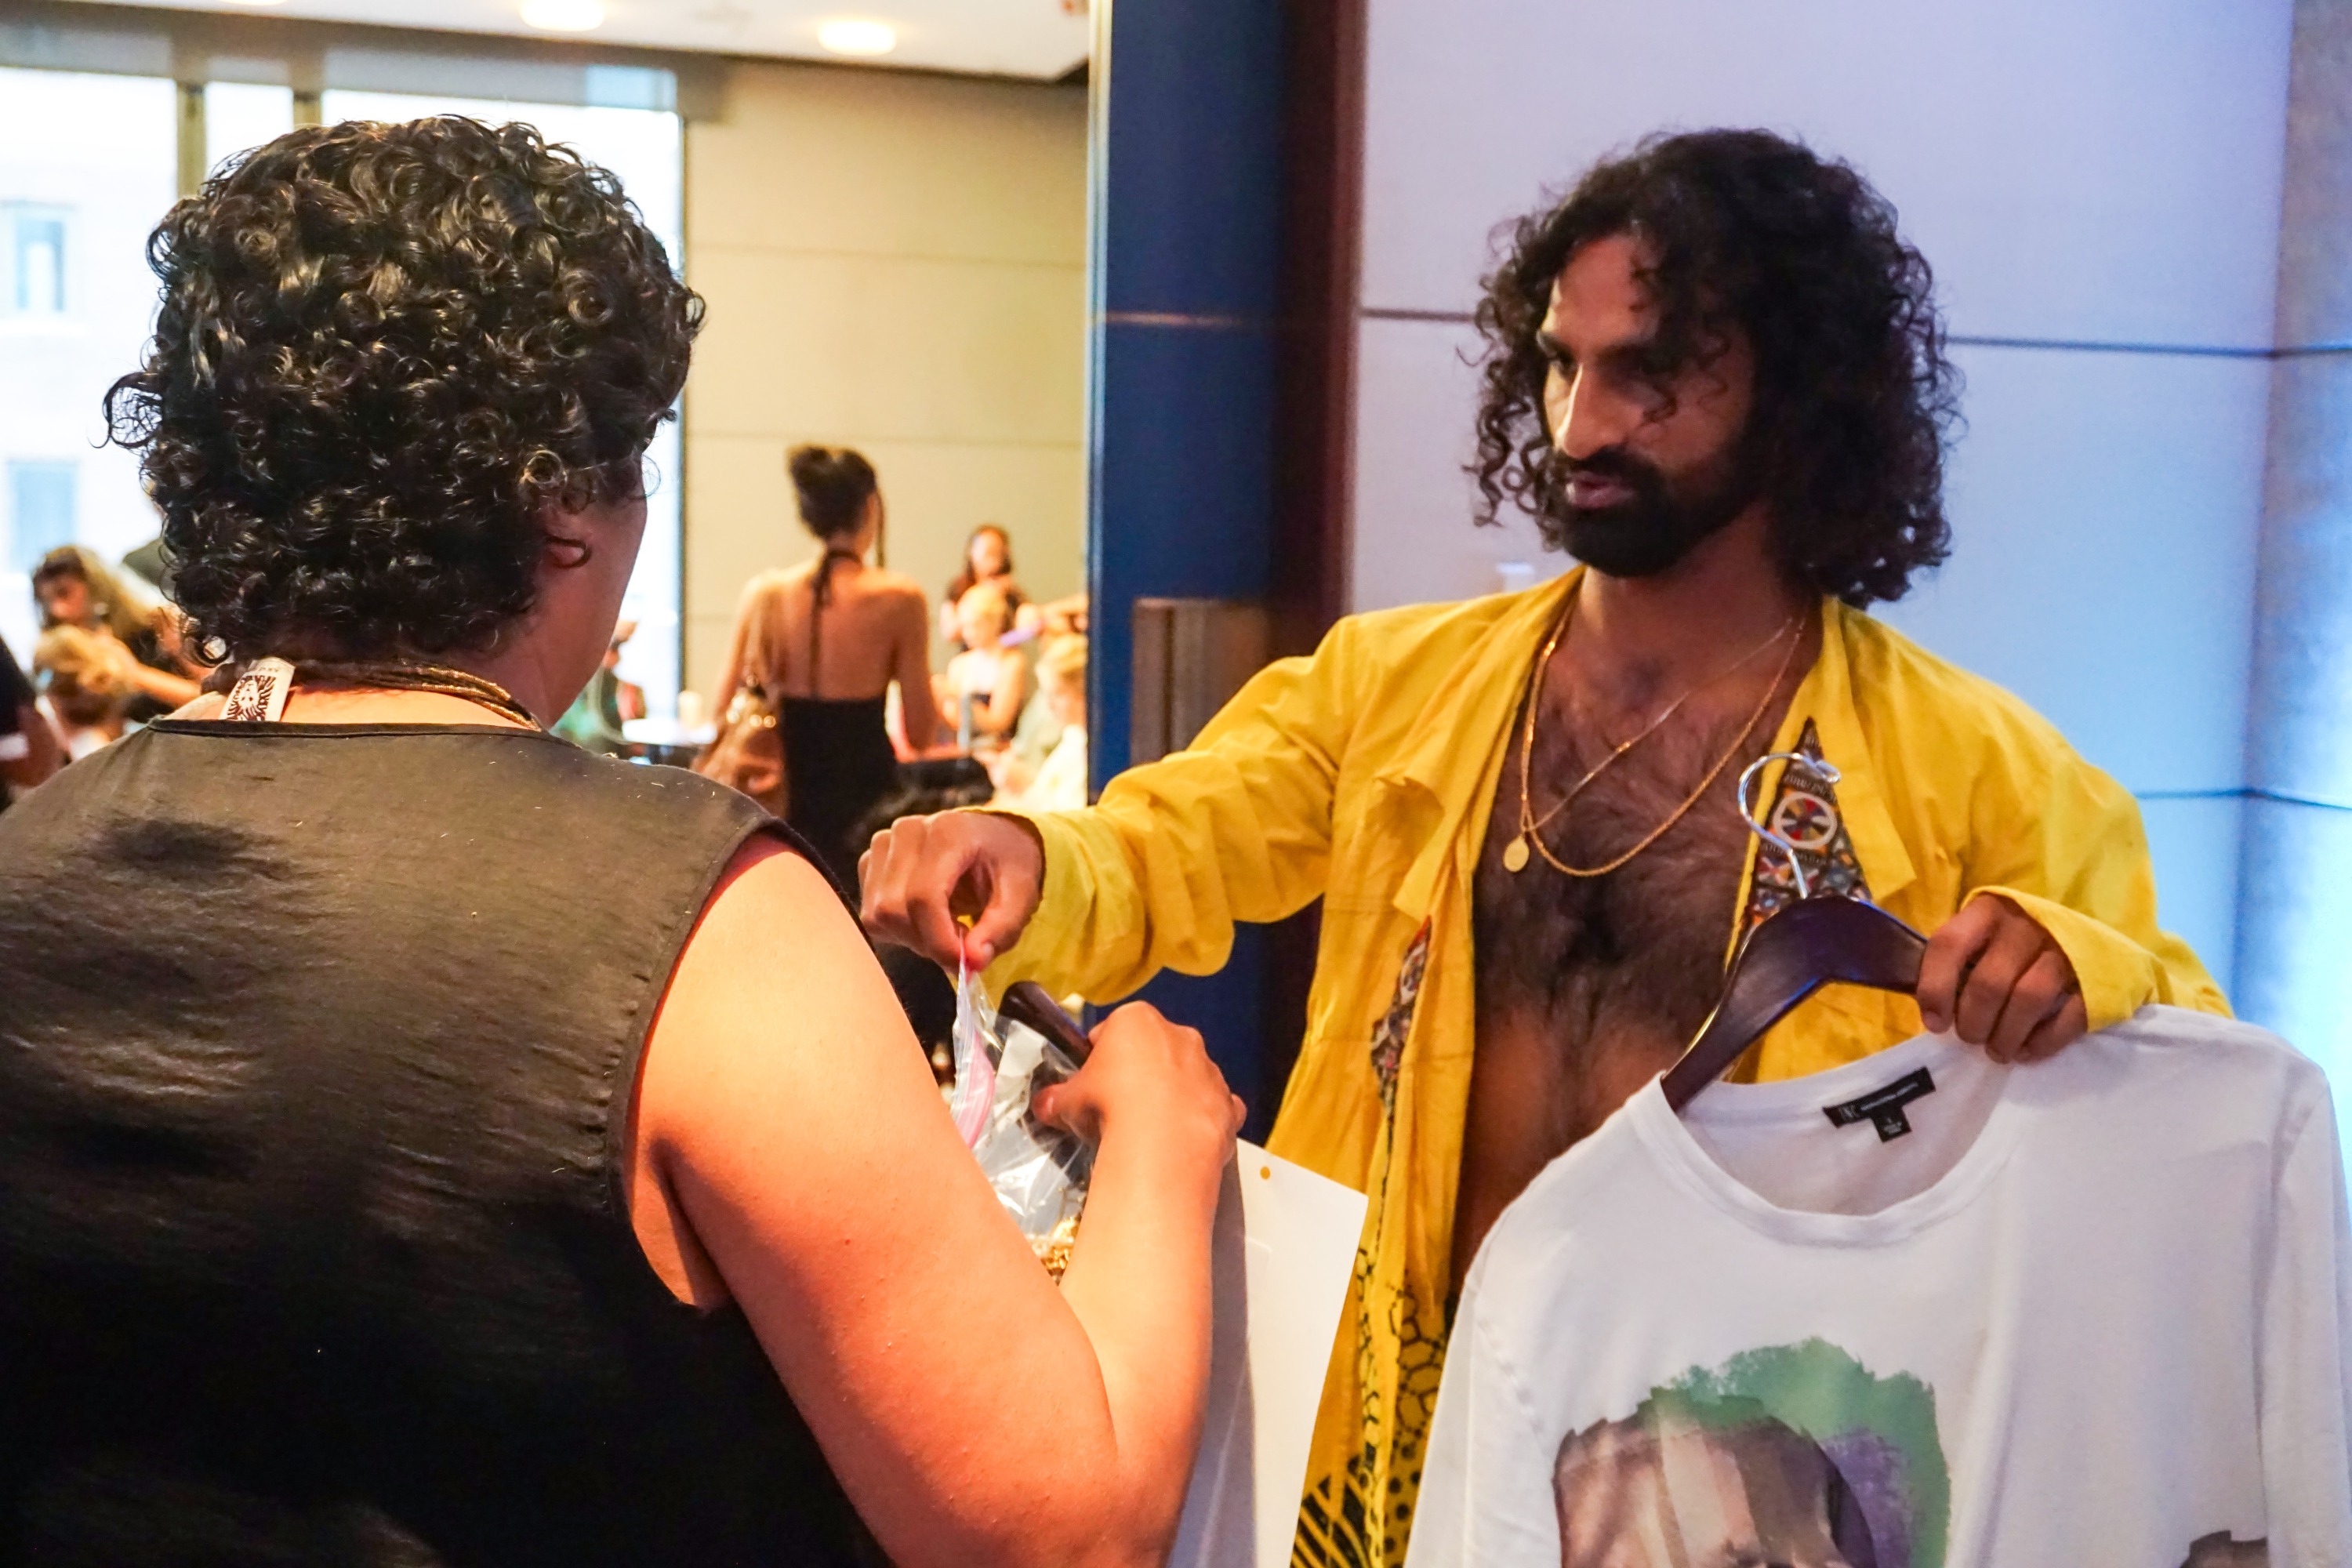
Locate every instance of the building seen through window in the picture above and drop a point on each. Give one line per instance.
(76, 302)
(38, 259)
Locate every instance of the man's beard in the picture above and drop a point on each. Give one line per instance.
(1655, 529)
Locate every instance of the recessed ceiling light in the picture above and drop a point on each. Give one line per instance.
(565, 16)
(858, 36)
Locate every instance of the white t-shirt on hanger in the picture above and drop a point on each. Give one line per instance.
(2090, 1313)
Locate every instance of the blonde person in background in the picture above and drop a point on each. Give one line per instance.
(988, 681)
(89, 681)
(1059, 783)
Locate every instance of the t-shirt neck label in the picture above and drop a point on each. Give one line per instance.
(1883, 1107)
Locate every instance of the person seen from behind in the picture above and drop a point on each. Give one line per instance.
(825, 641)
(75, 589)
(526, 1163)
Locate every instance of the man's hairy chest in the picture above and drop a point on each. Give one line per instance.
(1630, 962)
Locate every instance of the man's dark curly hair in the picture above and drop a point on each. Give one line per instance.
(383, 352)
(1748, 232)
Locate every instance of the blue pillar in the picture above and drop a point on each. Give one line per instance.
(1186, 268)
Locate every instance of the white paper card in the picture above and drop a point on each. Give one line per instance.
(1282, 1249)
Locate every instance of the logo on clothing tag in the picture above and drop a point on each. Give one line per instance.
(1883, 1107)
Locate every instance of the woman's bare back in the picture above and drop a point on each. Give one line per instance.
(871, 622)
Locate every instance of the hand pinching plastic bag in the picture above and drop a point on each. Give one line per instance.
(1039, 1172)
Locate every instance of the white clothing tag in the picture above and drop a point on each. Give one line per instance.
(260, 693)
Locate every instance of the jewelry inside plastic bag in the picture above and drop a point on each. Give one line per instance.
(1039, 1172)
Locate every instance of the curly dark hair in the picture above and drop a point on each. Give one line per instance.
(383, 351)
(1749, 232)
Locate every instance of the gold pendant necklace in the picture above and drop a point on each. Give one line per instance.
(1527, 842)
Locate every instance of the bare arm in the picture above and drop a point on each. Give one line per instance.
(1005, 701)
(162, 685)
(174, 686)
(911, 668)
(791, 1116)
(730, 669)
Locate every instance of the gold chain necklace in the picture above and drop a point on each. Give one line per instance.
(1543, 661)
(1515, 854)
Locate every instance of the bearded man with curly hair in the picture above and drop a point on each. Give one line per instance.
(1714, 375)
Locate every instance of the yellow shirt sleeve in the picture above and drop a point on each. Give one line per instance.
(2064, 841)
(1236, 828)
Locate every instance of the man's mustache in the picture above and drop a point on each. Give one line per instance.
(1609, 463)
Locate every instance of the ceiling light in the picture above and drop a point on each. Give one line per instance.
(565, 16)
(260, 2)
(858, 36)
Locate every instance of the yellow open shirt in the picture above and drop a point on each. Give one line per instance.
(1364, 774)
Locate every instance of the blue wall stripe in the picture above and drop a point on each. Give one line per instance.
(1972, 340)
(2281, 797)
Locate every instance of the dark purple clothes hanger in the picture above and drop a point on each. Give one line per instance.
(1027, 1002)
(1816, 940)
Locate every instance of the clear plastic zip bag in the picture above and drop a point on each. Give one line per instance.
(1039, 1172)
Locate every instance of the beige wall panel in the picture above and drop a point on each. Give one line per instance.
(937, 493)
(888, 347)
(895, 262)
(892, 163)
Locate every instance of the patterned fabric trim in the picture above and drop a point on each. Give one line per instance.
(1358, 1520)
(1388, 1038)
(1805, 812)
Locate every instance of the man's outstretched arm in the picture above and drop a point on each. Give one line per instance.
(1154, 876)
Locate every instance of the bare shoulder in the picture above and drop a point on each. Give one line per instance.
(900, 598)
(765, 586)
(769, 896)
(899, 588)
(774, 941)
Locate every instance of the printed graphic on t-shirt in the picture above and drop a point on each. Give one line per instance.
(1791, 1454)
